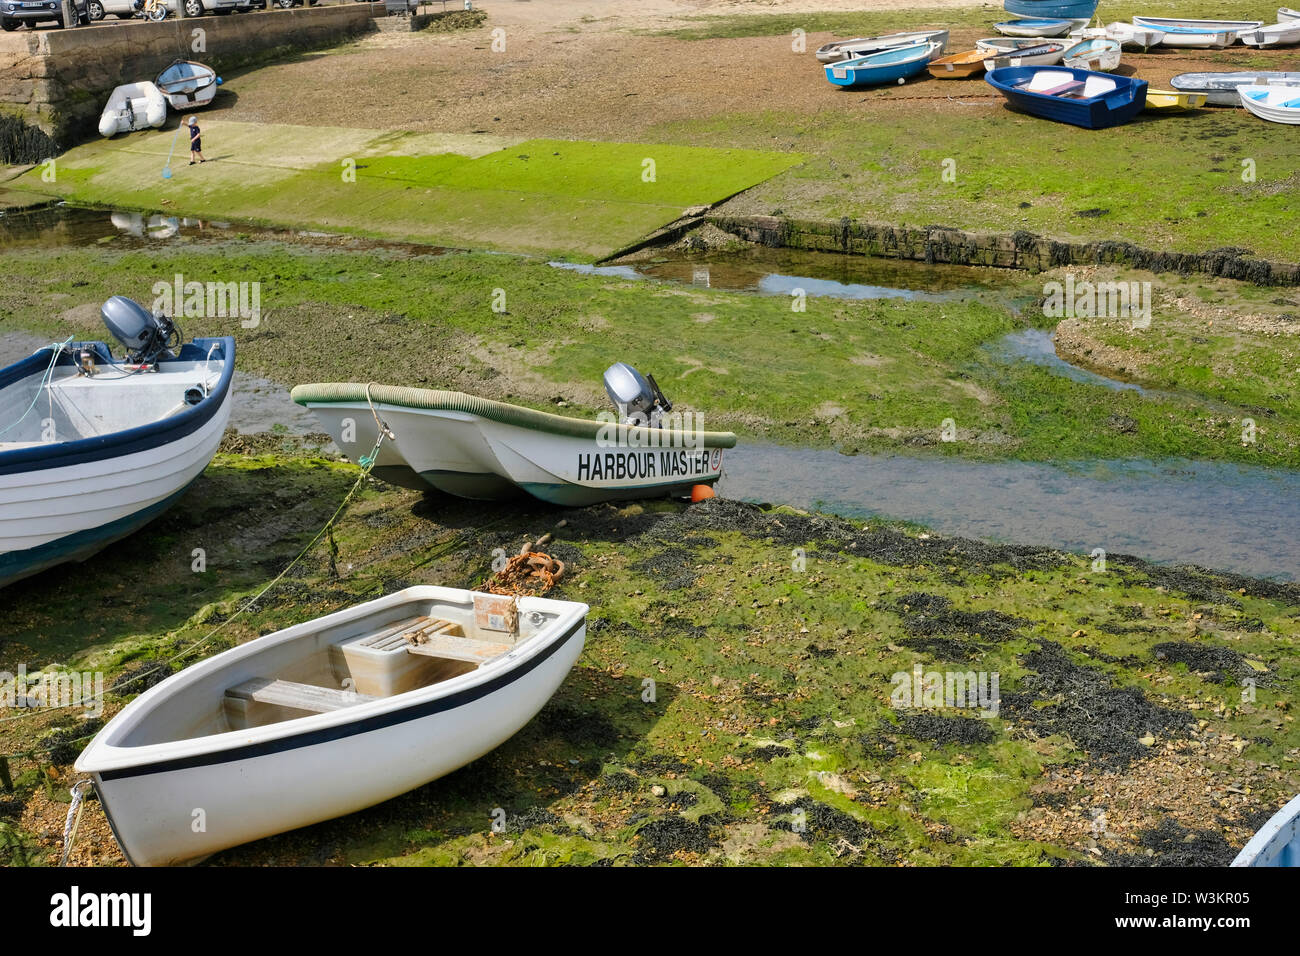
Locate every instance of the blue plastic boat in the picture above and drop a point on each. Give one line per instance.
(1066, 95)
(1278, 841)
(1034, 27)
(888, 66)
(1068, 9)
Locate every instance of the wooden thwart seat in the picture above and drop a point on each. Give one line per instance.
(286, 693)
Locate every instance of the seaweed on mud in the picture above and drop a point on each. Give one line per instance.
(620, 781)
(928, 615)
(943, 648)
(1219, 664)
(66, 743)
(664, 836)
(533, 818)
(672, 567)
(878, 746)
(1173, 844)
(946, 730)
(824, 822)
(1105, 721)
(138, 679)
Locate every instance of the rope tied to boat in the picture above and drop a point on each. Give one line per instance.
(56, 349)
(368, 461)
(74, 818)
(529, 573)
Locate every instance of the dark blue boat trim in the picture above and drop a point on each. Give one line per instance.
(131, 440)
(80, 544)
(378, 722)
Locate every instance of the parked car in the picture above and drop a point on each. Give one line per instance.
(124, 9)
(14, 13)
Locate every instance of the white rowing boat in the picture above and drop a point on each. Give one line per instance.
(326, 718)
(1277, 104)
(862, 46)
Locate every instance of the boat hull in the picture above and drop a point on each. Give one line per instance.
(1037, 28)
(1027, 57)
(1277, 104)
(1173, 100)
(574, 463)
(1277, 843)
(1052, 9)
(889, 66)
(864, 46)
(1198, 34)
(1124, 100)
(1286, 33)
(1221, 88)
(66, 502)
(254, 783)
(958, 66)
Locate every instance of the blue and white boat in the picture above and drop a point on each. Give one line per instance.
(888, 66)
(1278, 841)
(1198, 34)
(1038, 27)
(1078, 97)
(92, 447)
(1049, 9)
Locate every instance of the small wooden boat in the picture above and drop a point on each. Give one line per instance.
(94, 448)
(1277, 842)
(1041, 54)
(1099, 54)
(1173, 100)
(1221, 88)
(1036, 27)
(476, 448)
(1203, 34)
(1125, 34)
(131, 107)
(997, 45)
(1277, 104)
(887, 66)
(188, 85)
(1284, 33)
(1079, 97)
(958, 66)
(861, 46)
(1052, 9)
(1287, 13)
(327, 717)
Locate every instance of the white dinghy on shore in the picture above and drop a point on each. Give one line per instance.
(131, 107)
(327, 717)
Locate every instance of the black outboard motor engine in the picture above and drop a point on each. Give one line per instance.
(145, 336)
(637, 397)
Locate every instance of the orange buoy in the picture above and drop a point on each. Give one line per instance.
(700, 492)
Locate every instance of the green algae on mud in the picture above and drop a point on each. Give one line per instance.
(860, 375)
(542, 196)
(769, 736)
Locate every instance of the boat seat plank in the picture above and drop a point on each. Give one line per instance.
(457, 648)
(284, 693)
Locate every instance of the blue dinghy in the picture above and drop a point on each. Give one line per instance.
(1066, 9)
(1278, 841)
(888, 66)
(1066, 95)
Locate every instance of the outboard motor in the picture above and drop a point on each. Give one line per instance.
(145, 336)
(637, 397)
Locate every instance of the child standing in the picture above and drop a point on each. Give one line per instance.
(196, 145)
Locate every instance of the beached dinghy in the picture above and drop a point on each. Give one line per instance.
(1079, 97)
(1000, 45)
(1173, 100)
(188, 85)
(1125, 34)
(1277, 842)
(1221, 88)
(1041, 54)
(1286, 13)
(93, 448)
(1037, 27)
(958, 66)
(1277, 104)
(888, 66)
(862, 46)
(476, 448)
(1203, 34)
(327, 717)
(132, 107)
(1285, 33)
(1052, 9)
(1099, 54)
